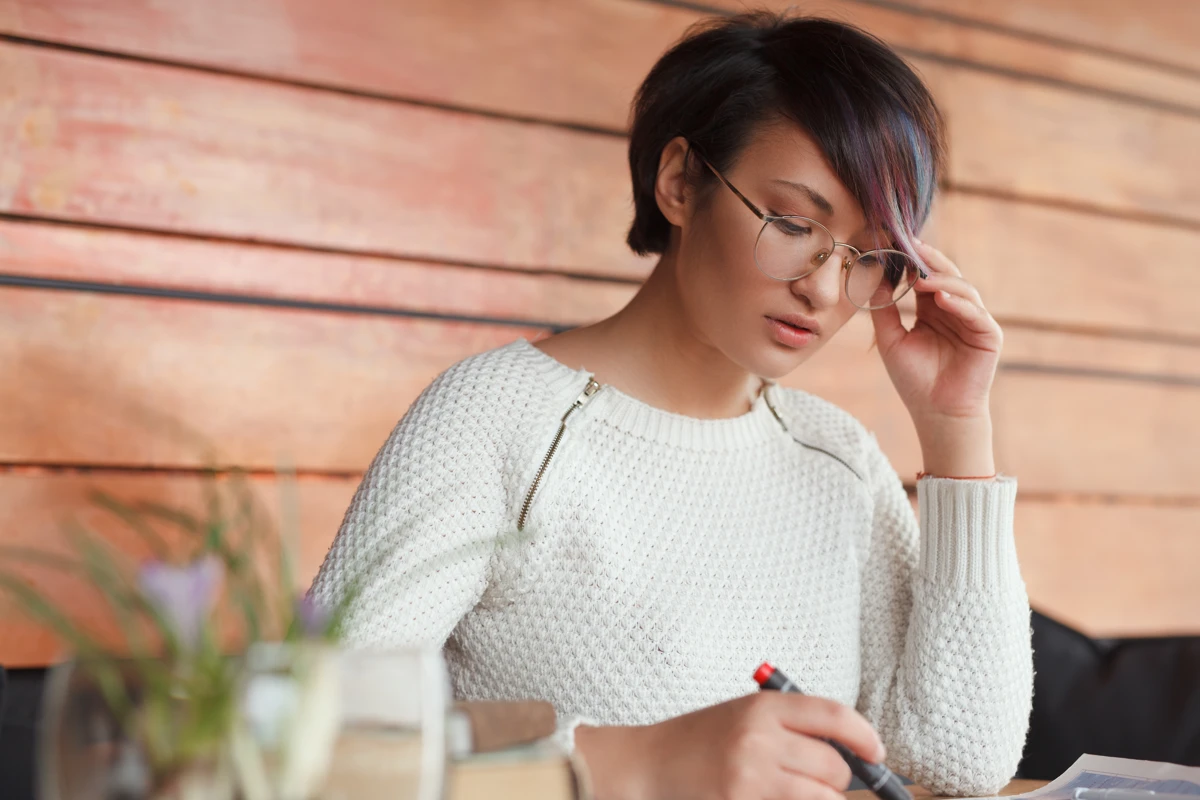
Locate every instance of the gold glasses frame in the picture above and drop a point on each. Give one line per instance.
(847, 262)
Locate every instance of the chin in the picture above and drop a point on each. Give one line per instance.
(774, 362)
(778, 370)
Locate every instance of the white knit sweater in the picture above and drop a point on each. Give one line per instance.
(665, 557)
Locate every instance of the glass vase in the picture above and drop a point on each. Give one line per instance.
(88, 752)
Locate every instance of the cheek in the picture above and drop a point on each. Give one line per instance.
(844, 312)
(719, 269)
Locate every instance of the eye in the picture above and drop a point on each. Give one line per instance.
(791, 227)
(892, 265)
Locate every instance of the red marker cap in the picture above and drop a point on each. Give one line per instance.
(763, 673)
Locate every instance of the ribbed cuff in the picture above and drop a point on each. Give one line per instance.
(967, 531)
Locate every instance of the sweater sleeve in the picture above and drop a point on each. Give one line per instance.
(415, 544)
(947, 669)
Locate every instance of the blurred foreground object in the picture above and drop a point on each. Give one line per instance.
(154, 710)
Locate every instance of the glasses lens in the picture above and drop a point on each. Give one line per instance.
(880, 278)
(792, 247)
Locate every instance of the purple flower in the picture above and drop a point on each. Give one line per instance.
(313, 617)
(183, 595)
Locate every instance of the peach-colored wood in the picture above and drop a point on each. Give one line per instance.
(141, 381)
(576, 62)
(1127, 358)
(34, 504)
(1033, 262)
(115, 257)
(323, 389)
(396, 186)
(1112, 569)
(245, 159)
(1164, 31)
(148, 146)
(1044, 142)
(319, 389)
(1128, 431)
(918, 34)
(1080, 434)
(1052, 275)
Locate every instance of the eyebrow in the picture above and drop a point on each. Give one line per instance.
(818, 199)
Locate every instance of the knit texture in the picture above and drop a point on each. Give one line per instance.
(665, 557)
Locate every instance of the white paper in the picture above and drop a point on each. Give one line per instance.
(1102, 772)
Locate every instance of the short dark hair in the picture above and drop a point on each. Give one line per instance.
(873, 118)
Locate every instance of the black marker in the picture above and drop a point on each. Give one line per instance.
(878, 778)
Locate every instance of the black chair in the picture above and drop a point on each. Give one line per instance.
(22, 702)
(1129, 698)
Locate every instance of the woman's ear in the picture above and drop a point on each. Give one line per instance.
(671, 188)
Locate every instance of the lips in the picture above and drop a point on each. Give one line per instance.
(790, 325)
(789, 334)
(797, 321)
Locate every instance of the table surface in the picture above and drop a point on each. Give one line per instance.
(1015, 787)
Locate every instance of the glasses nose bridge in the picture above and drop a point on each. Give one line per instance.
(849, 260)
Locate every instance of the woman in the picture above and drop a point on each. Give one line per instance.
(627, 518)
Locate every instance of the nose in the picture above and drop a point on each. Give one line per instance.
(823, 287)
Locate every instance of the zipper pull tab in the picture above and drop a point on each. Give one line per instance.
(592, 387)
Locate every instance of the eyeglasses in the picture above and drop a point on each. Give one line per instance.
(790, 247)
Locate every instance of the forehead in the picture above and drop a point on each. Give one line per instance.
(783, 151)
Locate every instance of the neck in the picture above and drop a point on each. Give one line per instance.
(665, 361)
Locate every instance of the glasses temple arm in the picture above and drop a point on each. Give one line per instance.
(732, 188)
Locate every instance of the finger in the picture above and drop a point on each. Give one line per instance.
(973, 317)
(804, 755)
(936, 259)
(826, 719)
(949, 283)
(940, 320)
(889, 328)
(802, 787)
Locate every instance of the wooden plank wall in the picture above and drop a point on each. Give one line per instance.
(274, 221)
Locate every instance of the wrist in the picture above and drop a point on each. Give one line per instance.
(615, 758)
(957, 447)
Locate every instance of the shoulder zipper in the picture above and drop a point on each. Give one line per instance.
(589, 390)
(799, 441)
(766, 395)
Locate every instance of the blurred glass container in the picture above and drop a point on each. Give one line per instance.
(316, 722)
(392, 741)
(312, 722)
(85, 753)
(288, 713)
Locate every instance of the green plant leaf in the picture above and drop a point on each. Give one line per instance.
(174, 516)
(136, 521)
(112, 684)
(289, 507)
(116, 584)
(214, 525)
(40, 610)
(43, 558)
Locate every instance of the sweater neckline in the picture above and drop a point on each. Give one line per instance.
(627, 413)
